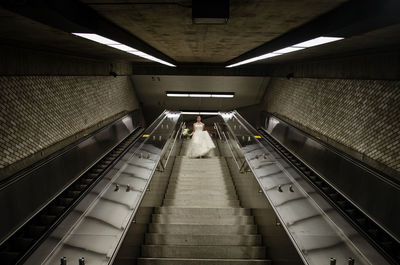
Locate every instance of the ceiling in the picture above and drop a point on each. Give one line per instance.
(151, 92)
(168, 27)
(28, 33)
(164, 28)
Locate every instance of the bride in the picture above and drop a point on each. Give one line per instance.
(201, 142)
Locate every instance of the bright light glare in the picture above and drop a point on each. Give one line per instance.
(177, 95)
(317, 41)
(200, 95)
(299, 46)
(120, 46)
(258, 58)
(199, 113)
(97, 38)
(287, 50)
(221, 96)
(123, 47)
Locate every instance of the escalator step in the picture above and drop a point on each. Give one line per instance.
(36, 230)
(351, 211)
(313, 177)
(101, 166)
(333, 196)
(93, 175)
(362, 221)
(47, 219)
(86, 181)
(307, 172)
(374, 232)
(73, 193)
(303, 168)
(319, 182)
(21, 243)
(325, 189)
(342, 203)
(64, 201)
(96, 170)
(80, 187)
(56, 210)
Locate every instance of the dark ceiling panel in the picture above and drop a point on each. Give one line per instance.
(352, 18)
(167, 25)
(74, 16)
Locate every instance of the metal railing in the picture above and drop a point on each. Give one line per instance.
(316, 230)
(101, 220)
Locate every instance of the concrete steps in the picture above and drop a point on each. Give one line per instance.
(201, 221)
(197, 229)
(201, 240)
(198, 252)
(177, 261)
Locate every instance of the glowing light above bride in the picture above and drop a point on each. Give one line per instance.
(182, 94)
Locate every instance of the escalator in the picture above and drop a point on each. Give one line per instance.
(199, 217)
(24, 241)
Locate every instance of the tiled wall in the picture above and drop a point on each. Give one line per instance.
(360, 117)
(37, 112)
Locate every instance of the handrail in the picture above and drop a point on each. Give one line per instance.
(163, 166)
(280, 188)
(127, 185)
(230, 147)
(216, 128)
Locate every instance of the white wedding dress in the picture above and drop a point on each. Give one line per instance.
(201, 142)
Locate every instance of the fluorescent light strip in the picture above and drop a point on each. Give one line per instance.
(287, 50)
(199, 95)
(317, 41)
(293, 48)
(178, 95)
(199, 113)
(120, 46)
(221, 96)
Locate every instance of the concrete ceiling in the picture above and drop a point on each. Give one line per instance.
(17, 30)
(151, 92)
(386, 38)
(167, 26)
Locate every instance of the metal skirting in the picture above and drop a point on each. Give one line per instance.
(316, 229)
(373, 193)
(97, 225)
(27, 193)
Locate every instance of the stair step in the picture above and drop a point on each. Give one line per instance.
(179, 196)
(201, 211)
(205, 192)
(188, 187)
(201, 203)
(175, 261)
(214, 252)
(202, 240)
(202, 219)
(199, 229)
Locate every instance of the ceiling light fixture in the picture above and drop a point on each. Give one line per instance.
(293, 48)
(116, 45)
(287, 50)
(200, 94)
(200, 112)
(317, 41)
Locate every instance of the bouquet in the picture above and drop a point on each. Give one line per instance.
(185, 132)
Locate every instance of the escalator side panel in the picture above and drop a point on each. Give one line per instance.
(375, 195)
(25, 194)
(103, 217)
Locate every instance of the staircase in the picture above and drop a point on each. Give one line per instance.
(201, 221)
